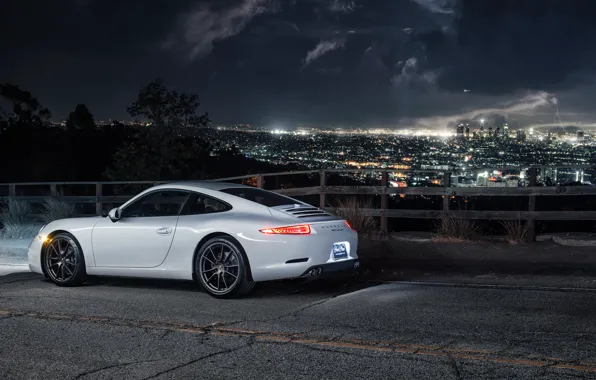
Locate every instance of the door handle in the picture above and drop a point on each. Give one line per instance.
(164, 231)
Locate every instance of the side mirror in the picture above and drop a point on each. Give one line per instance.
(115, 214)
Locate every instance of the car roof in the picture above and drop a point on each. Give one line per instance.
(210, 185)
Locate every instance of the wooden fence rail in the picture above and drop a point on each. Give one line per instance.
(446, 191)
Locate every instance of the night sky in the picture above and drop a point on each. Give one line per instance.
(368, 63)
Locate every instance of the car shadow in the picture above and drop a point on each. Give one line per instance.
(316, 286)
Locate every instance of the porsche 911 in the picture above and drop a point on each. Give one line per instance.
(225, 236)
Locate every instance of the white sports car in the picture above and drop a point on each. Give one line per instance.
(226, 236)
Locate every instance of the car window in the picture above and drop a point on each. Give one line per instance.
(264, 197)
(159, 203)
(201, 204)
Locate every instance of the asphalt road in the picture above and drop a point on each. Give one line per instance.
(135, 329)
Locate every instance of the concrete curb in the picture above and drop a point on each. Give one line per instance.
(544, 238)
(13, 268)
(412, 239)
(571, 240)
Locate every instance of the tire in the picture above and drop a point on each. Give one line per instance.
(63, 262)
(222, 269)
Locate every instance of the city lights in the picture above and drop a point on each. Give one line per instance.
(477, 146)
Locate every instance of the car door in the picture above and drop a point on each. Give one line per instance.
(201, 215)
(142, 237)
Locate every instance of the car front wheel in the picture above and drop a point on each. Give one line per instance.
(63, 261)
(222, 268)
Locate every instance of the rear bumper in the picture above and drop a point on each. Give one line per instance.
(337, 267)
(281, 257)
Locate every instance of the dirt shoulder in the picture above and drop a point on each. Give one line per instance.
(478, 262)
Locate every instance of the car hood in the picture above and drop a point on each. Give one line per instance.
(69, 223)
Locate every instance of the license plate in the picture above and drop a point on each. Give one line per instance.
(340, 251)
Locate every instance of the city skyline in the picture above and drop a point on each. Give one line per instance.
(548, 127)
(407, 63)
(457, 147)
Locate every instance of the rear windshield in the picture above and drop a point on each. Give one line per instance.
(263, 197)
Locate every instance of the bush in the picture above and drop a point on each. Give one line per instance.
(452, 229)
(17, 212)
(352, 210)
(16, 220)
(517, 230)
(55, 208)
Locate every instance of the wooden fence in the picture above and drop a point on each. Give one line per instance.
(322, 190)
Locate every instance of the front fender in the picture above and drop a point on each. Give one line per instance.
(80, 228)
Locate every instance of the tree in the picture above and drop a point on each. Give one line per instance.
(26, 109)
(164, 108)
(80, 118)
(170, 147)
(25, 122)
(182, 157)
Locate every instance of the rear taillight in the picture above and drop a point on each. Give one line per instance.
(302, 229)
(348, 224)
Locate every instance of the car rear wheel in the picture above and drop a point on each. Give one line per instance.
(63, 261)
(222, 268)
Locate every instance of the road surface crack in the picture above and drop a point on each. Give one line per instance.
(455, 367)
(83, 374)
(463, 355)
(279, 317)
(19, 280)
(514, 343)
(166, 333)
(191, 362)
(294, 312)
(565, 364)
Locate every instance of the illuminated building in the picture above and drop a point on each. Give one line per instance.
(460, 130)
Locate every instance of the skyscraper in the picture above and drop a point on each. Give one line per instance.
(460, 130)
(521, 135)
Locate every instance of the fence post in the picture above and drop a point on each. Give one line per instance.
(12, 190)
(98, 194)
(384, 201)
(447, 185)
(323, 183)
(260, 181)
(533, 172)
(53, 190)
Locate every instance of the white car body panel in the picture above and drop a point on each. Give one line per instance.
(133, 242)
(138, 247)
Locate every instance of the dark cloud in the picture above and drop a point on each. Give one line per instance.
(86, 27)
(208, 23)
(342, 6)
(438, 6)
(499, 46)
(370, 62)
(322, 48)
